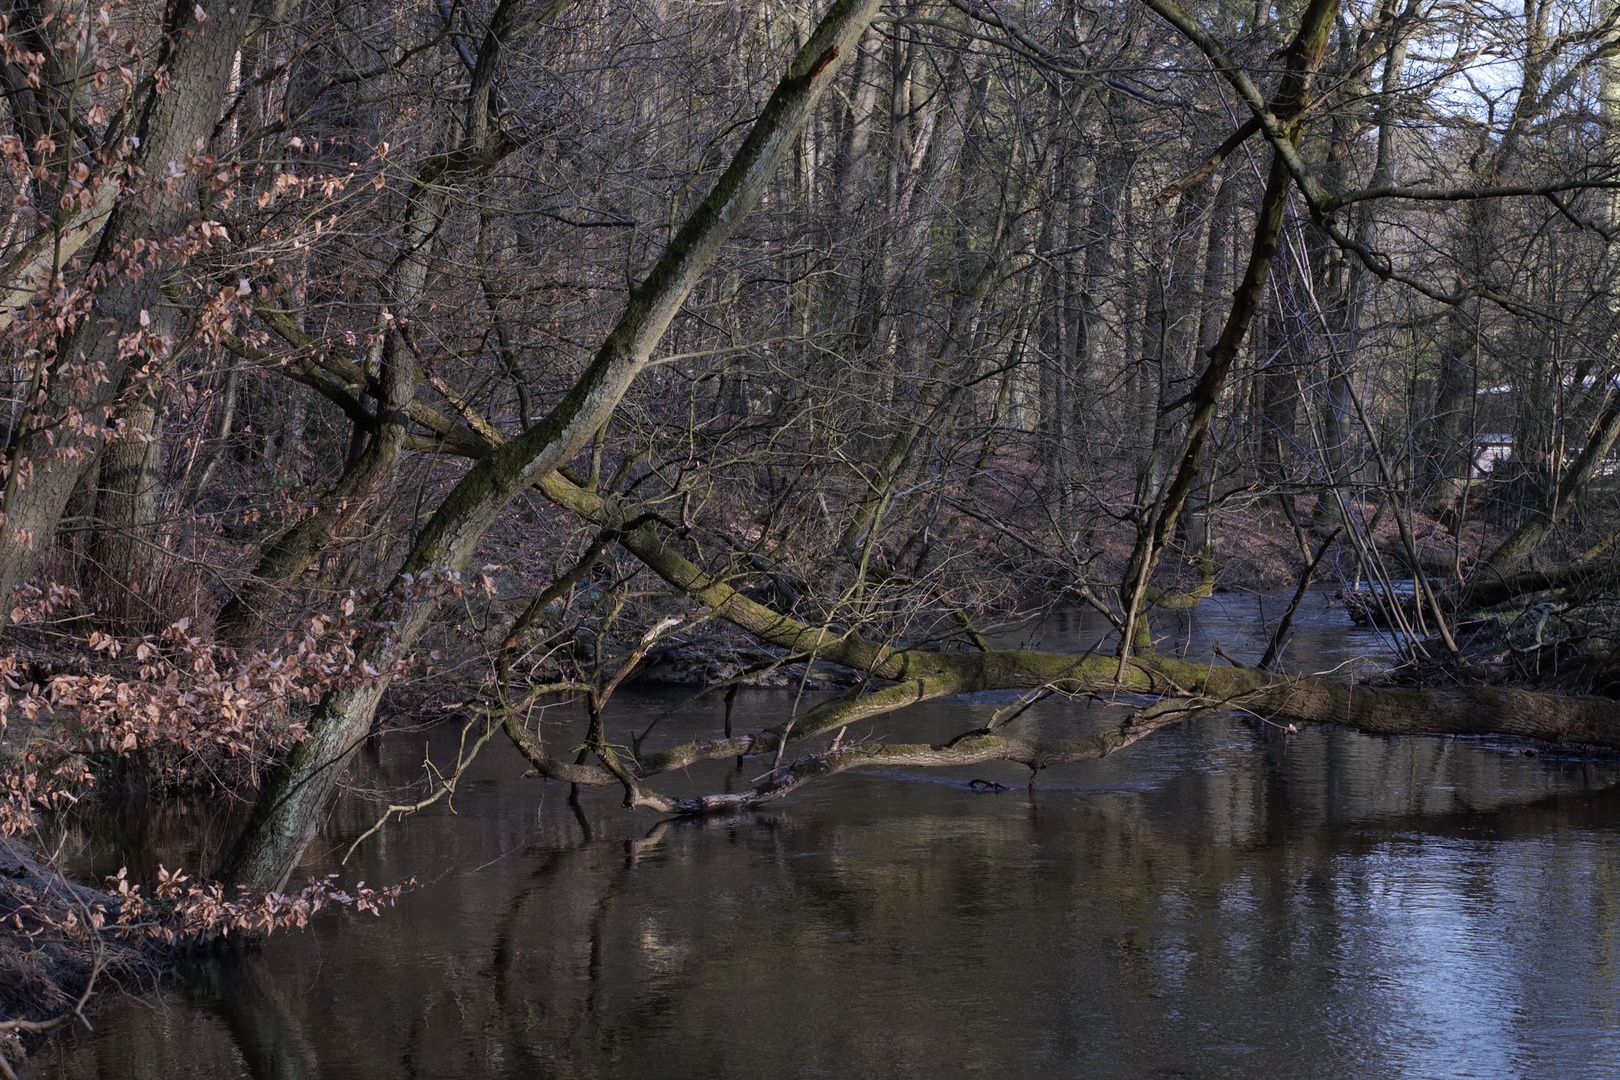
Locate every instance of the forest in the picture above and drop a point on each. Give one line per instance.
(467, 362)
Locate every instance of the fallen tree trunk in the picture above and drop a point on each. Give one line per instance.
(1577, 581)
(920, 676)
(976, 747)
(1187, 687)
(1490, 589)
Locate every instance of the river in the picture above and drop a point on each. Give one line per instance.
(1221, 900)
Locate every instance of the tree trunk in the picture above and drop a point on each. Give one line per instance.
(1288, 105)
(125, 568)
(287, 811)
(45, 458)
(918, 676)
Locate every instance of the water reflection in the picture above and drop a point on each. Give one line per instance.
(1218, 901)
(1321, 638)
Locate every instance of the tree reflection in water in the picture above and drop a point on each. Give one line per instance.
(1222, 901)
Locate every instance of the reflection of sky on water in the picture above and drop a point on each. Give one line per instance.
(1471, 982)
(1458, 998)
(1321, 635)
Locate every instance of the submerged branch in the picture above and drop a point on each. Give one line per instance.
(972, 748)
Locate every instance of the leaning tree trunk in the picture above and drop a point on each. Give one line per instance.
(1287, 105)
(1513, 553)
(292, 798)
(1187, 688)
(918, 675)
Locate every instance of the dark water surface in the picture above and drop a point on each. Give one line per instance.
(1218, 901)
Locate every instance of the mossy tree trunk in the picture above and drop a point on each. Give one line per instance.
(1188, 688)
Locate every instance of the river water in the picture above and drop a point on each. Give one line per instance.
(1221, 900)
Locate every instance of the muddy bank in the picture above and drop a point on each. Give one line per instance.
(54, 953)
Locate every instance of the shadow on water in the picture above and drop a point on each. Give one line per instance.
(1219, 901)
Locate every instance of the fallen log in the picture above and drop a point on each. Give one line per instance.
(1186, 688)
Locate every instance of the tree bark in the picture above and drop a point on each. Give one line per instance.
(124, 570)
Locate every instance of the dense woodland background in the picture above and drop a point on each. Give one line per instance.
(1032, 305)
